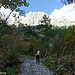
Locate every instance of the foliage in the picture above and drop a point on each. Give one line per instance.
(5, 29)
(63, 53)
(67, 1)
(8, 57)
(13, 4)
(56, 43)
(69, 41)
(12, 71)
(61, 66)
(45, 30)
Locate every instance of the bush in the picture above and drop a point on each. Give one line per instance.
(61, 66)
(11, 71)
(9, 62)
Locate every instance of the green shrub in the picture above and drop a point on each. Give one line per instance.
(11, 71)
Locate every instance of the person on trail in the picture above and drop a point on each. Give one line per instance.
(37, 57)
(31, 49)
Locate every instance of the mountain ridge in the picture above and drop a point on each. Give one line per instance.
(33, 18)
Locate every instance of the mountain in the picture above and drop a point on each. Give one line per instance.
(62, 21)
(33, 18)
(59, 17)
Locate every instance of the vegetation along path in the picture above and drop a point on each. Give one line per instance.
(29, 67)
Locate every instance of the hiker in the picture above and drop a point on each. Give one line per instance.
(31, 49)
(37, 57)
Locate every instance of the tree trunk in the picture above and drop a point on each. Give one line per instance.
(9, 15)
(46, 54)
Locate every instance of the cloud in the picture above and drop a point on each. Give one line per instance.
(4, 13)
(67, 11)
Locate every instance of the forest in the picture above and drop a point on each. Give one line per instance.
(57, 45)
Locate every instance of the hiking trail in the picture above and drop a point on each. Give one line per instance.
(29, 67)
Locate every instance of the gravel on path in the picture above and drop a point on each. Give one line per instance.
(29, 67)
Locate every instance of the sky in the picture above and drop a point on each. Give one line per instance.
(46, 6)
(54, 8)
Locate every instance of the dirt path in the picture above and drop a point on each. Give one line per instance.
(29, 67)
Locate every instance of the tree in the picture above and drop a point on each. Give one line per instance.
(33, 43)
(67, 1)
(45, 26)
(13, 5)
(45, 30)
(69, 41)
(5, 29)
